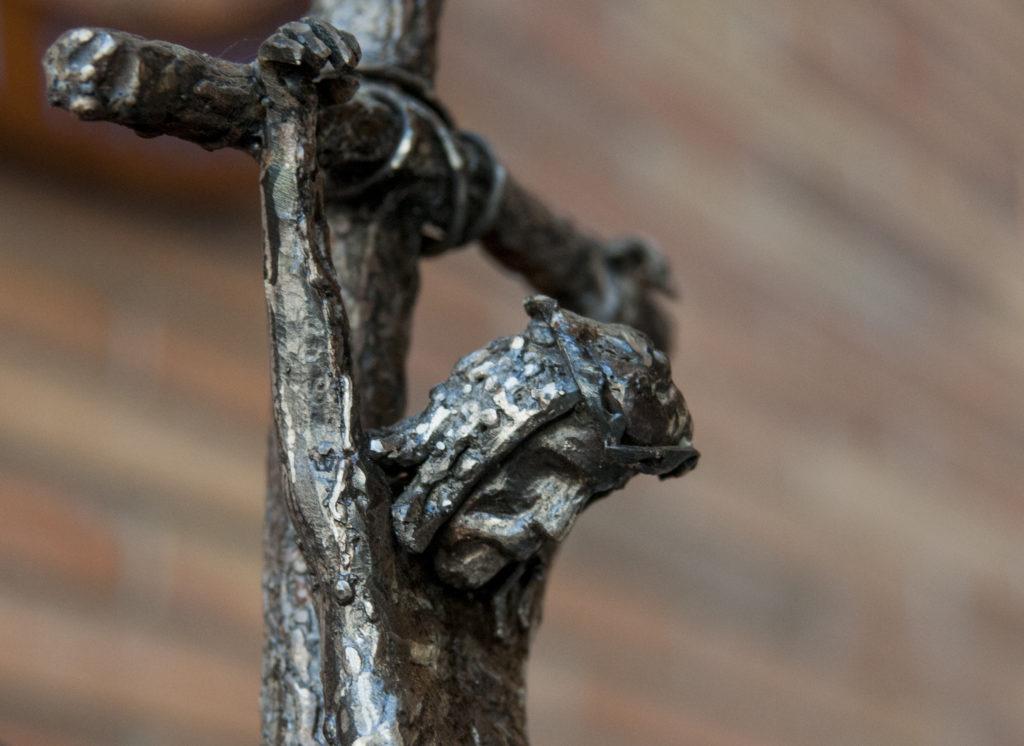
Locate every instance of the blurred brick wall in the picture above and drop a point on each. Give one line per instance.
(838, 185)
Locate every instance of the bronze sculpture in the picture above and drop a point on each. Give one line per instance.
(404, 558)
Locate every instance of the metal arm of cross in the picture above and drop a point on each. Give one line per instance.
(160, 88)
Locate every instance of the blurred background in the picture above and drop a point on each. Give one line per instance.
(838, 184)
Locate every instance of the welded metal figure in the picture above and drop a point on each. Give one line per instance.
(524, 434)
(404, 558)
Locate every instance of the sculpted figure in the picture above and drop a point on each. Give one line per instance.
(404, 557)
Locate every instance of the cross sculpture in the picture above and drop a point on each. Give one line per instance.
(404, 558)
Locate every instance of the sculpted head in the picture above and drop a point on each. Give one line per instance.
(525, 434)
(626, 385)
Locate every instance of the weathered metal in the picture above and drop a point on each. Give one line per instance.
(404, 559)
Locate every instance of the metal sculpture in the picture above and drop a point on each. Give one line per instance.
(404, 559)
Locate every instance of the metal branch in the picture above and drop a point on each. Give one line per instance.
(614, 281)
(154, 87)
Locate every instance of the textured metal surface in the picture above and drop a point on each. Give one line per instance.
(524, 434)
(404, 559)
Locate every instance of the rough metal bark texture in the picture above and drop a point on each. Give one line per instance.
(405, 558)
